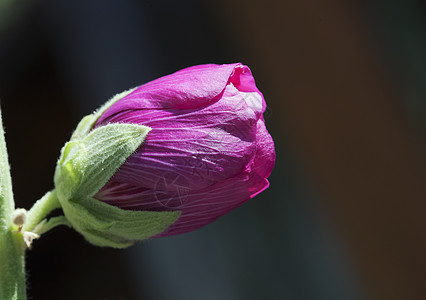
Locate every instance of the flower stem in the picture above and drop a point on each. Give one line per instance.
(6, 196)
(12, 247)
(12, 266)
(41, 209)
(45, 225)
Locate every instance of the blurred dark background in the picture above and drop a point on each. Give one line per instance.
(345, 85)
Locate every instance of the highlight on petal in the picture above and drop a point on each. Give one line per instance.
(264, 158)
(243, 80)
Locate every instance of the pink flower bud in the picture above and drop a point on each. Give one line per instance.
(207, 153)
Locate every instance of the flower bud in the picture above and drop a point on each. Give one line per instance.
(195, 147)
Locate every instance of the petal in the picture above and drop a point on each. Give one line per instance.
(265, 152)
(243, 80)
(202, 207)
(198, 208)
(207, 206)
(203, 145)
(188, 88)
(208, 151)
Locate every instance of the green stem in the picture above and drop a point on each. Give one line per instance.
(12, 247)
(6, 196)
(37, 222)
(12, 266)
(45, 226)
(41, 209)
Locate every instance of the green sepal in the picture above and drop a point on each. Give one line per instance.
(87, 162)
(86, 165)
(106, 225)
(83, 128)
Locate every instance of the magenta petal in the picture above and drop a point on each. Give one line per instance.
(203, 145)
(243, 80)
(188, 88)
(204, 206)
(198, 207)
(208, 150)
(264, 159)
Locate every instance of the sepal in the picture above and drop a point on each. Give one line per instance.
(86, 165)
(109, 226)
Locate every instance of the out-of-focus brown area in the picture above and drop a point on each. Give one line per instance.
(340, 111)
(344, 215)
